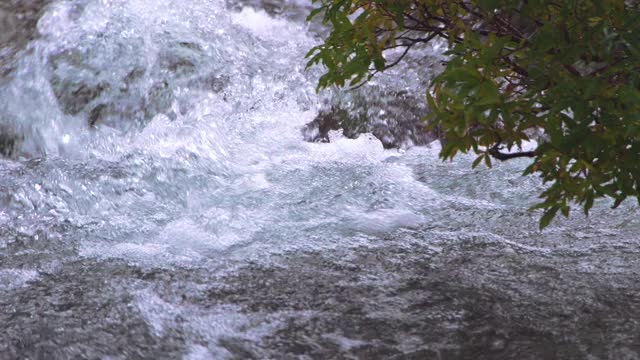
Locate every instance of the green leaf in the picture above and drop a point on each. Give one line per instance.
(619, 201)
(588, 202)
(487, 160)
(488, 93)
(548, 215)
(488, 5)
(315, 12)
(477, 161)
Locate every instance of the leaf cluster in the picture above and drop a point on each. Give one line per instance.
(568, 69)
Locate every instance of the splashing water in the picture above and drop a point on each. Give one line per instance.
(162, 187)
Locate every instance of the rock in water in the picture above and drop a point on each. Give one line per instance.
(288, 9)
(18, 19)
(394, 117)
(10, 141)
(121, 94)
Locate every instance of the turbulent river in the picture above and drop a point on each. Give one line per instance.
(159, 202)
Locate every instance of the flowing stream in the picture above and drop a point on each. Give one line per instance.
(159, 202)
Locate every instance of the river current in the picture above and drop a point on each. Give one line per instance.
(159, 202)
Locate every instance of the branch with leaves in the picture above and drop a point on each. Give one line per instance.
(569, 69)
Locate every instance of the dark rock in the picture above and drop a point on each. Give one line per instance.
(394, 117)
(327, 120)
(122, 97)
(10, 141)
(290, 10)
(97, 113)
(273, 7)
(181, 58)
(158, 99)
(121, 102)
(18, 19)
(74, 96)
(212, 82)
(133, 76)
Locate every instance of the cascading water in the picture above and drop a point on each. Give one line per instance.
(160, 202)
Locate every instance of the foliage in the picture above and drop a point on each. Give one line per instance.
(568, 68)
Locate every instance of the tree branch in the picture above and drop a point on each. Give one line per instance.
(496, 154)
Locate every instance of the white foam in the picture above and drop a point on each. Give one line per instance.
(209, 324)
(265, 26)
(384, 220)
(16, 278)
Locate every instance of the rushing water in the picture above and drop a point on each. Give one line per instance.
(161, 203)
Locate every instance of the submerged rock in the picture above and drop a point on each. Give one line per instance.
(18, 141)
(211, 82)
(10, 141)
(18, 19)
(124, 94)
(74, 96)
(295, 11)
(394, 117)
(292, 10)
(158, 100)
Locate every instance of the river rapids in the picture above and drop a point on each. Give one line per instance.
(157, 200)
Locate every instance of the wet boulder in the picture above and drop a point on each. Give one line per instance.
(127, 108)
(18, 19)
(74, 81)
(10, 141)
(180, 58)
(292, 10)
(158, 100)
(74, 96)
(295, 11)
(326, 120)
(109, 85)
(394, 117)
(215, 83)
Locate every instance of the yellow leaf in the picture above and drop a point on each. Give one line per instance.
(593, 21)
